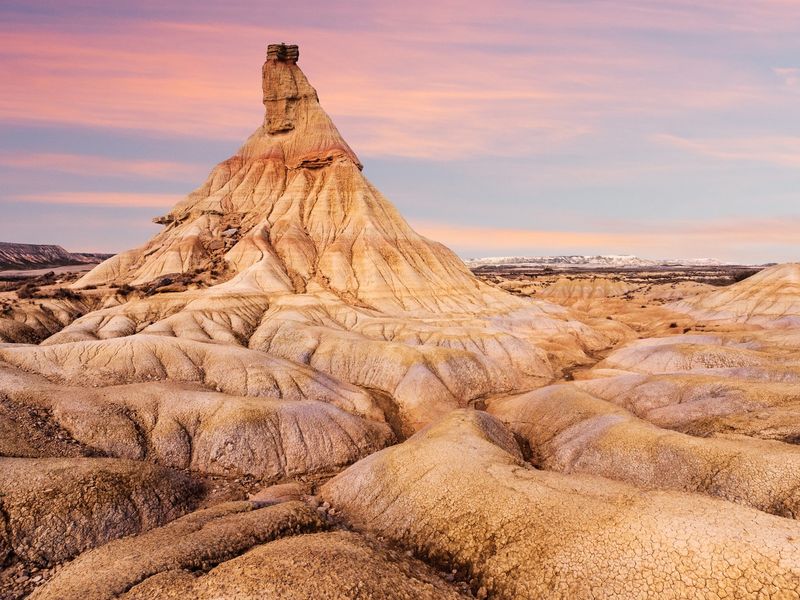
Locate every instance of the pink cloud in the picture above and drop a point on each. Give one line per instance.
(790, 76)
(102, 166)
(778, 150)
(102, 199)
(439, 89)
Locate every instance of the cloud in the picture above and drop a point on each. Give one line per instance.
(102, 166)
(101, 199)
(503, 80)
(790, 76)
(777, 150)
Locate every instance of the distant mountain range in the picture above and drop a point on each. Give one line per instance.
(43, 256)
(605, 260)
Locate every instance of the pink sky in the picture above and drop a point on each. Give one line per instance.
(666, 112)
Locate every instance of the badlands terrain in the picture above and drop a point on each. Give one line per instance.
(40, 256)
(288, 393)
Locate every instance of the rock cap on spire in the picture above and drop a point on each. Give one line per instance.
(283, 52)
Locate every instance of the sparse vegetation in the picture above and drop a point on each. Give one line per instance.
(65, 294)
(27, 291)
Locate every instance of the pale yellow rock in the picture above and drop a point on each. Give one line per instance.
(54, 508)
(459, 493)
(185, 426)
(571, 431)
(198, 541)
(770, 298)
(334, 566)
(313, 265)
(706, 404)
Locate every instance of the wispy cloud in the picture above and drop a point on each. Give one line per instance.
(505, 80)
(102, 166)
(543, 100)
(778, 150)
(101, 199)
(789, 75)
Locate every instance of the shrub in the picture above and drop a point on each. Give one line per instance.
(65, 294)
(27, 291)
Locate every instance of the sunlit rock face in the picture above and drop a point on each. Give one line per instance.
(311, 264)
(460, 492)
(770, 299)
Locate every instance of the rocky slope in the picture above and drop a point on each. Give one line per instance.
(310, 263)
(770, 298)
(41, 256)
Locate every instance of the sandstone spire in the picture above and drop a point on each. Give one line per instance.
(291, 251)
(294, 118)
(305, 218)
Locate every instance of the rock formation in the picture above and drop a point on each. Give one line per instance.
(316, 267)
(770, 298)
(460, 493)
(42, 256)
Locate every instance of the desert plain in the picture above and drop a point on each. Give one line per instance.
(289, 393)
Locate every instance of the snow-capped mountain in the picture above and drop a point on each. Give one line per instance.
(605, 260)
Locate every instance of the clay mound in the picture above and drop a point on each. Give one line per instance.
(185, 426)
(571, 291)
(228, 369)
(291, 212)
(196, 542)
(336, 565)
(570, 431)
(31, 321)
(703, 354)
(55, 508)
(239, 550)
(706, 405)
(771, 298)
(459, 494)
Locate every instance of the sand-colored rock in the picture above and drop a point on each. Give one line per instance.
(308, 262)
(573, 290)
(185, 426)
(27, 430)
(770, 298)
(706, 404)
(281, 492)
(333, 566)
(30, 321)
(197, 542)
(240, 550)
(459, 493)
(54, 508)
(705, 354)
(568, 430)
(228, 369)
